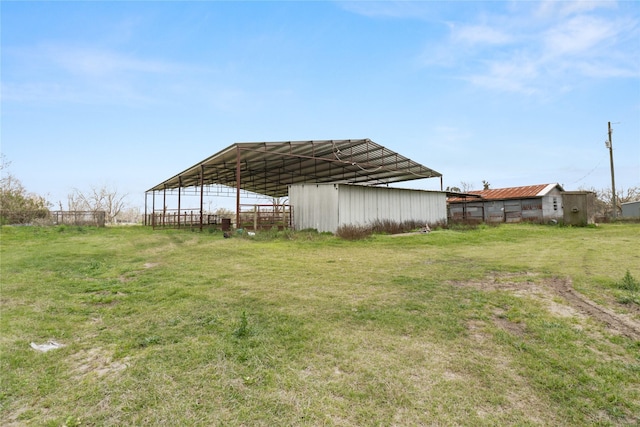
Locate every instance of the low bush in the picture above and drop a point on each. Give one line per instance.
(629, 283)
(354, 232)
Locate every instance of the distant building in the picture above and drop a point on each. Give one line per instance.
(631, 210)
(533, 203)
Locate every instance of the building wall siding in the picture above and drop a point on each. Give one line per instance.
(326, 207)
(314, 206)
(631, 210)
(552, 205)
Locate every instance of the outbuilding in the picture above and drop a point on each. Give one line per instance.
(631, 209)
(533, 203)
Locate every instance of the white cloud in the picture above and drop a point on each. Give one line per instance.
(515, 75)
(556, 8)
(98, 62)
(479, 34)
(85, 75)
(389, 9)
(579, 35)
(516, 50)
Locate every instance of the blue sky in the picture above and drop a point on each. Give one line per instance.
(127, 94)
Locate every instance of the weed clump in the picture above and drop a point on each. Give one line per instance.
(354, 232)
(243, 326)
(632, 288)
(358, 232)
(629, 283)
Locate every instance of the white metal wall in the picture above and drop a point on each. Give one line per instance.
(326, 207)
(314, 206)
(552, 205)
(631, 210)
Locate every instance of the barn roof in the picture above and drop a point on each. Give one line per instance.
(525, 192)
(270, 167)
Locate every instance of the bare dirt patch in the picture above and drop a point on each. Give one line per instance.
(548, 290)
(95, 361)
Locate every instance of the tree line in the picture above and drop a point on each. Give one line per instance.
(19, 206)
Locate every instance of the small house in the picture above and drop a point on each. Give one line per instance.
(533, 203)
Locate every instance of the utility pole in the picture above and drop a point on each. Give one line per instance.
(609, 145)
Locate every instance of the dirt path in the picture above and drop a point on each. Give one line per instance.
(576, 302)
(613, 320)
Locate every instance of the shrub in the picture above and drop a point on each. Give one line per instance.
(354, 232)
(629, 283)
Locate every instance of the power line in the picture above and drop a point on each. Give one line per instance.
(588, 173)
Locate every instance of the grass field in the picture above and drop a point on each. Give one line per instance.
(510, 325)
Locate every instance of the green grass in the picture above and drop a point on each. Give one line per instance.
(181, 328)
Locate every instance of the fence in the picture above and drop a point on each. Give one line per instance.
(45, 217)
(92, 218)
(172, 218)
(252, 217)
(265, 217)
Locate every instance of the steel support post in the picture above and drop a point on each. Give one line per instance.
(201, 194)
(238, 187)
(179, 193)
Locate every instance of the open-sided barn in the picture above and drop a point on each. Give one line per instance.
(359, 170)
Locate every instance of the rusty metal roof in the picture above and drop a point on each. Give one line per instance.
(270, 167)
(525, 192)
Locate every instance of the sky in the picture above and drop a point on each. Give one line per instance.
(127, 94)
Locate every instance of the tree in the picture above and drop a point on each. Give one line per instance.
(17, 206)
(485, 185)
(465, 187)
(98, 199)
(604, 199)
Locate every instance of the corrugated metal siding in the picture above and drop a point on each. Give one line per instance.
(631, 210)
(325, 207)
(362, 205)
(494, 211)
(314, 206)
(500, 210)
(472, 211)
(513, 210)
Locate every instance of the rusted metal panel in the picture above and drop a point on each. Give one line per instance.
(524, 192)
(494, 211)
(513, 211)
(535, 203)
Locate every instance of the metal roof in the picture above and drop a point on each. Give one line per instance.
(525, 192)
(268, 168)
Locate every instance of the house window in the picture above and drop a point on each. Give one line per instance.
(555, 203)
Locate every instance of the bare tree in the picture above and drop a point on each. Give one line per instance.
(465, 187)
(604, 198)
(98, 199)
